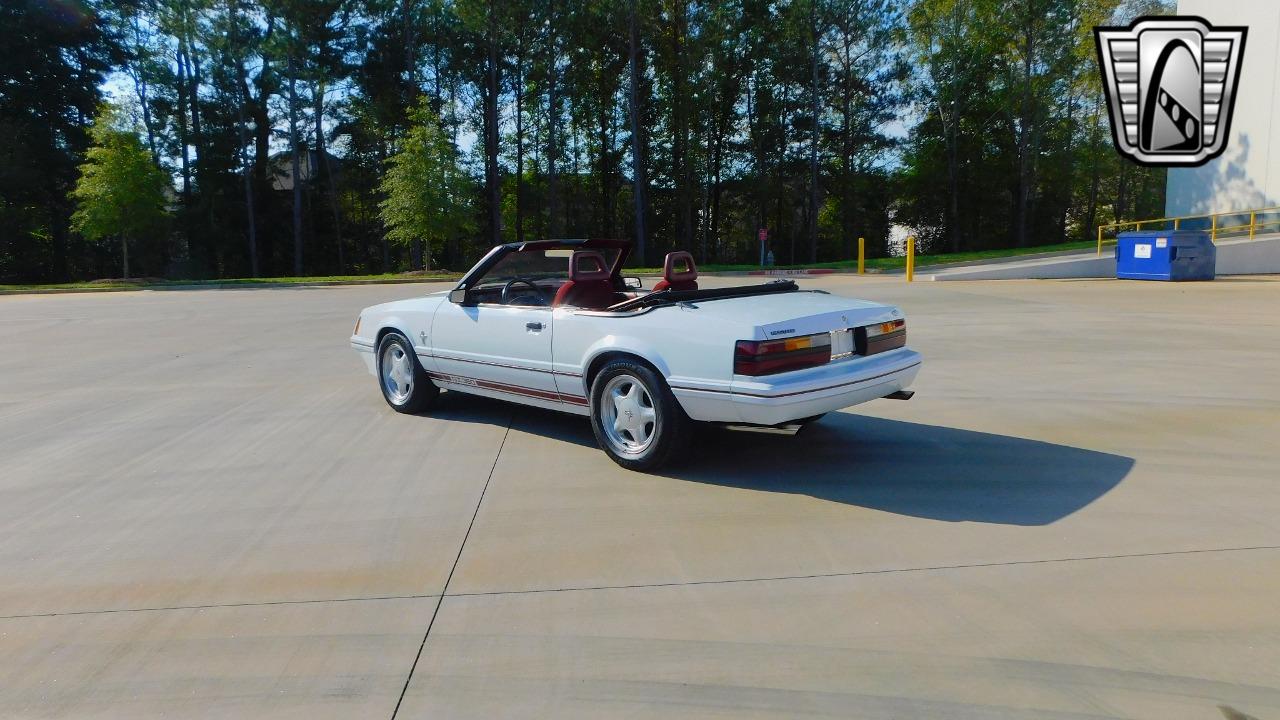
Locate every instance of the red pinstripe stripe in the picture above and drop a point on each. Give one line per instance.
(512, 389)
(503, 365)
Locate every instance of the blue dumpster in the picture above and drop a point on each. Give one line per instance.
(1165, 255)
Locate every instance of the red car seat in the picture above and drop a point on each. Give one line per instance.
(672, 279)
(590, 282)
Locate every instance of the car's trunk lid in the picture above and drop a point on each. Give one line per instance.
(793, 314)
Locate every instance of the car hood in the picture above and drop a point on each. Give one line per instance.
(796, 313)
(414, 302)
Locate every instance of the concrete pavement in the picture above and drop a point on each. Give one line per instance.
(206, 510)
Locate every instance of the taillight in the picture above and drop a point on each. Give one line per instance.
(885, 328)
(885, 336)
(766, 357)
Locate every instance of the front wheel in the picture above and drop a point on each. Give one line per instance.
(405, 385)
(637, 421)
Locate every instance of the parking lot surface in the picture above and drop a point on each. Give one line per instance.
(207, 511)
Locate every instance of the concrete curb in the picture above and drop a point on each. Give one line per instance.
(771, 272)
(790, 272)
(410, 281)
(225, 286)
(784, 272)
(1235, 256)
(339, 283)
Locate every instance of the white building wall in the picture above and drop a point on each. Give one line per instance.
(1247, 174)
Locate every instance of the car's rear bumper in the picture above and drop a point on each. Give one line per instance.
(777, 399)
(804, 393)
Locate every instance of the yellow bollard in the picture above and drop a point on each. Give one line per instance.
(1099, 241)
(911, 258)
(862, 256)
(1253, 223)
(1176, 222)
(1213, 231)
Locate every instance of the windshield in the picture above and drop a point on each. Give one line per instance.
(536, 265)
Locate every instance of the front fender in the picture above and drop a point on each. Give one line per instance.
(412, 318)
(411, 324)
(394, 322)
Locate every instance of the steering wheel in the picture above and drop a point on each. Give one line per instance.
(506, 297)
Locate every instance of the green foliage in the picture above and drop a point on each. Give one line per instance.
(54, 59)
(1013, 147)
(977, 124)
(120, 192)
(426, 195)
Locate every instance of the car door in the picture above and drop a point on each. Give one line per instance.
(501, 348)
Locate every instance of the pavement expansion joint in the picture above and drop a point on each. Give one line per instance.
(855, 573)
(445, 590)
(208, 606)
(636, 586)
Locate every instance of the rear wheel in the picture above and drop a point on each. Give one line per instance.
(637, 421)
(405, 385)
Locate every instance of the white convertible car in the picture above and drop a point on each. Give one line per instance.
(554, 324)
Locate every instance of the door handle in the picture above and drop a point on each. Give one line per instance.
(533, 326)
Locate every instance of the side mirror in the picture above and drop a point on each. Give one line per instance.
(458, 296)
(633, 283)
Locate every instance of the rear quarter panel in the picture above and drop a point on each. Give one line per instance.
(693, 352)
(692, 347)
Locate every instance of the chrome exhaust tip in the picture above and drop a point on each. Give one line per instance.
(788, 429)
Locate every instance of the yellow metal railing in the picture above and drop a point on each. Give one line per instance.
(1257, 223)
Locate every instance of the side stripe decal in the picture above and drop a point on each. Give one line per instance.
(513, 367)
(510, 389)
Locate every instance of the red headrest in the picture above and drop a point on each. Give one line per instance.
(677, 258)
(588, 265)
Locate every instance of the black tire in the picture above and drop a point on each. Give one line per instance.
(671, 428)
(420, 392)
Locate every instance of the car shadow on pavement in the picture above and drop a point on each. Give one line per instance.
(562, 427)
(925, 471)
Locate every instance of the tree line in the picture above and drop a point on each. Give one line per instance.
(224, 138)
